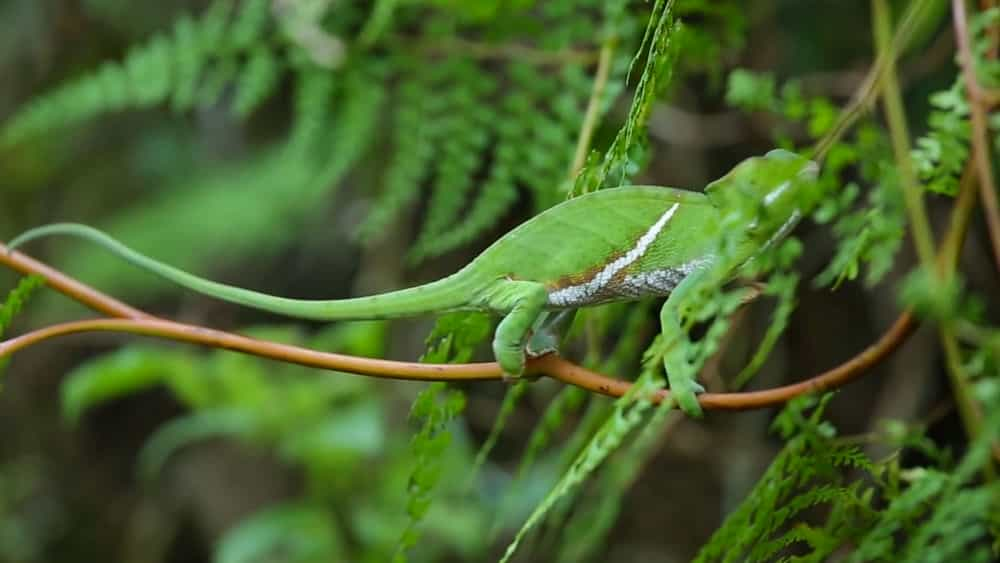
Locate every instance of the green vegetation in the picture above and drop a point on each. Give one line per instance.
(315, 148)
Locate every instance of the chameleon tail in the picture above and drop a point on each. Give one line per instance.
(450, 293)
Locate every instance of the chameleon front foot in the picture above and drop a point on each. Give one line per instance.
(511, 364)
(524, 301)
(685, 393)
(511, 357)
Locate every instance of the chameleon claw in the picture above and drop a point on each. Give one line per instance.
(687, 400)
(685, 391)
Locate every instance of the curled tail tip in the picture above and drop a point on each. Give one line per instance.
(45, 230)
(17, 241)
(24, 238)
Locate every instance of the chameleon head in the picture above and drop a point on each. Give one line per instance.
(770, 192)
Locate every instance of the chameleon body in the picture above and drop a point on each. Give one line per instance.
(610, 245)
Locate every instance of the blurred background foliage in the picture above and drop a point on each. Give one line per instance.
(324, 148)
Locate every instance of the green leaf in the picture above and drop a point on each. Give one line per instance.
(119, 374)
(751, 91)
(296, 532)
(347, 435)
(189, 429)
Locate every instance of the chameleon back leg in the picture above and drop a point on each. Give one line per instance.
(524, 302)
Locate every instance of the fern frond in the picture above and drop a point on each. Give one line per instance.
(249, 24)
(566, 403)
(941, 154)
(551, 132)
(871, 235)
(257, 80)
(190, 65)
(784, 288)
(465, 127)
(343, 139)
(586, 532)
(13, 304)
(434, 409)
(510, 401)
(191, 55)
(414, 137)
(805, 474)
(498, 195)
(499, 191)
(956, 530)
(622, 158)
(16, 300)
(314, 94)
(332, 130)
(453, 340)
(628, 412)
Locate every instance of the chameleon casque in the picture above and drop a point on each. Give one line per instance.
(617, 244)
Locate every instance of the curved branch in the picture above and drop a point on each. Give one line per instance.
(77, 291)
(551, 365)
(568, 372)
(194, 334)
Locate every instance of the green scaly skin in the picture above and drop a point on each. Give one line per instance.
(611, 245)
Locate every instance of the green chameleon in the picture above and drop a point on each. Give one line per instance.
(617, 244)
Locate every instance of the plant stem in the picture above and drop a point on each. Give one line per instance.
(980, 138)
(913, 196)
(593, 114)
(920, 225)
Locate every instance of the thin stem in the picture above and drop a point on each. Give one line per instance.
(593, 114)
(913, 194)
(192, 334)
(866, 95)
(980, 132)
(968, 408)
(961, 213)
(919, 223)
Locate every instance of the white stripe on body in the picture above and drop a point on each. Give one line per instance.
(588, 291)
(656, 282)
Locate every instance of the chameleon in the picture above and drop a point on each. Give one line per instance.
(615, 244)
